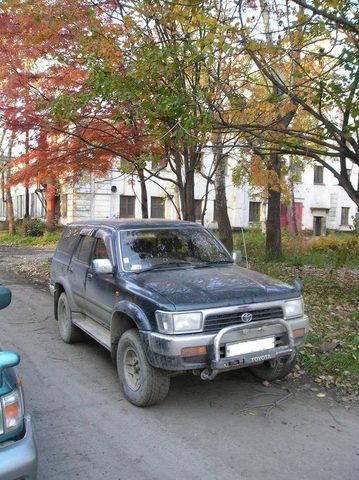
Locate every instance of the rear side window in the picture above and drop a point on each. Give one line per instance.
(68, 240)
(83, 252)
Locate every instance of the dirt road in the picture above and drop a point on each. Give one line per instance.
(86, 430)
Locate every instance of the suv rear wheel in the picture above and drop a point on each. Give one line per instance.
(68, 331)
(273, 370)
(142, 384)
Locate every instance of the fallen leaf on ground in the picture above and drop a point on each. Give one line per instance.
(329, 346)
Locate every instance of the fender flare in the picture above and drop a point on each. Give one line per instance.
(66, 286)
(134, 312)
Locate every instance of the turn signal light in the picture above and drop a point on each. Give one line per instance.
(12, 410)
(193, 351)
(298, 332)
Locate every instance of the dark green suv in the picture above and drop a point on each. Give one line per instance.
(166, 297)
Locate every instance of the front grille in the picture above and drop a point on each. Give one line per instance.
(217, 321)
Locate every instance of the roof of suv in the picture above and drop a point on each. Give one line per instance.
(124, 224)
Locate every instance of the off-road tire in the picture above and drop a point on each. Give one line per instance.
(269, 372)
(69, 332)
(152, 383)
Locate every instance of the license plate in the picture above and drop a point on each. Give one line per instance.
(241, 348)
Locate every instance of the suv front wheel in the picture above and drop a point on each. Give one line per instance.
(142, 384)
(273, 370)
(68, 331)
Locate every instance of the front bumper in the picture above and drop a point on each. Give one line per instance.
(165, 351)
(18, 458)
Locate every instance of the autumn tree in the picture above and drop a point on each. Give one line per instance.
(313, 65)
(47, 90)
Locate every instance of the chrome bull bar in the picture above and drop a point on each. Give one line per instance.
(219, 364)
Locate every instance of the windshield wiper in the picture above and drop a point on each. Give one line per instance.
(164, 264)
(216, 262)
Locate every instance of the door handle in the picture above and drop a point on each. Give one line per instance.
(90, 276)
(70, 270)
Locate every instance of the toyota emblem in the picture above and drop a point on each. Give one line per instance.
(246, 317)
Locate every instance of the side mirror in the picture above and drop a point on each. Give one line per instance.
(8, 359)
(5, 297)
(237, 256)
(102, 266)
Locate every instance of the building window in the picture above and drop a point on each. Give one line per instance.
(32, 205)
(157, 207)
(198, 209)
(64, 205)
(2, 208)
(127, 206)
(318, 175)
(42, 207)
(254, 211)
(20, 206)
(296, 172)
(345, 216)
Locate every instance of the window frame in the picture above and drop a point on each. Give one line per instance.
(347, 211)
(163, 200)
(127, 197)
(258, 204)
(320, 180)
(198, 202)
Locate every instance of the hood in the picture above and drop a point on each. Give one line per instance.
(224, 285)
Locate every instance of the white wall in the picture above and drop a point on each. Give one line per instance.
(96, 200)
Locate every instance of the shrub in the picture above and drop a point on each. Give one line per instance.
(342, 247)
(33, 227)
(255, 243)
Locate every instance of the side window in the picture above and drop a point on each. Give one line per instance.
(68, 239)
(100, 251)
(84, 249)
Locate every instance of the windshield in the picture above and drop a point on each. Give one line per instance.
(149, 249)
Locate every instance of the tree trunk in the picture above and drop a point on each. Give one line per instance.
(27, 194)
(50, 205)
(224, 224)
(10, 216)
(144, 196)
(185, 160)
(273, 232)
(189, 207)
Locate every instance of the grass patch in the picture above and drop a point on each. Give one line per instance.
(48, 238)
(331, 353)
(333, 251)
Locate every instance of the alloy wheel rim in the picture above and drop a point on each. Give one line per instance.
(62, 316)
(132, 369)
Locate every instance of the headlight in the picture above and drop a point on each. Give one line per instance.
(293, 308)
(186, 322)
(12, 410)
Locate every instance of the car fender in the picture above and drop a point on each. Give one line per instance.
(134, 312)
(64, 283)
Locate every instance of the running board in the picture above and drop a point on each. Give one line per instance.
(101, 334)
